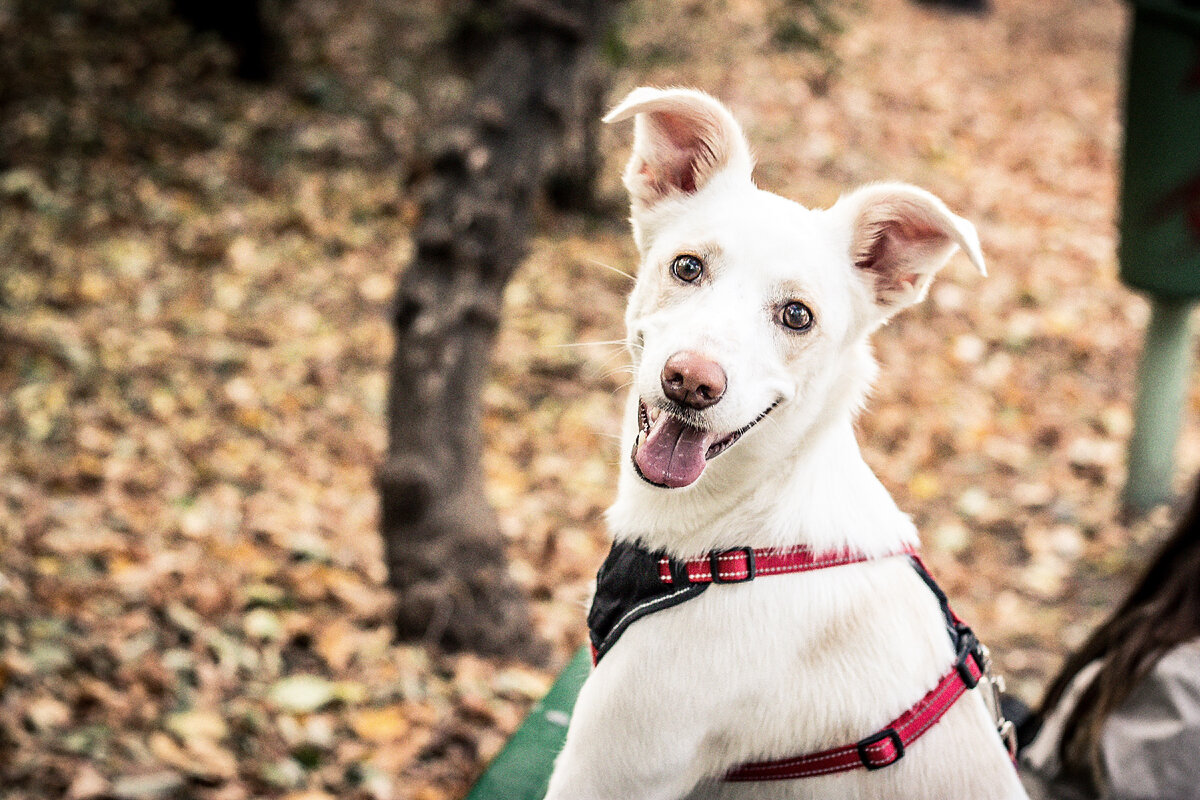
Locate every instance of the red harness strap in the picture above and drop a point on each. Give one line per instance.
(880, 749)
(745, 564)
(885, 746)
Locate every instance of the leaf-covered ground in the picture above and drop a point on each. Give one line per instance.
(193, 346)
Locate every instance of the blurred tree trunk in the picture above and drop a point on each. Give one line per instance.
(243, 26)
(523, 129)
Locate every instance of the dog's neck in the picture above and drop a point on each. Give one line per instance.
(822, 495)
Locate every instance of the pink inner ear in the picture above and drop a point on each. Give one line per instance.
(883, 240)
(686, 180)
(893, 248)
(684, 154)
(680, 176)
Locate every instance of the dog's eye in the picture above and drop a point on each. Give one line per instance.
(687, 268)
(796, 316)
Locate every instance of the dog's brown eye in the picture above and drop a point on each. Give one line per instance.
(797, 316)
(687, 268)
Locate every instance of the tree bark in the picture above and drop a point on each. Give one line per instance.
(242, 24)
(445, 554)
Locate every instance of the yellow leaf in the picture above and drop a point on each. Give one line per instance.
(380, 724)
(924, 485)
(197, 723)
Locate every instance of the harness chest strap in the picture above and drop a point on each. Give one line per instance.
(683, 580)
(881, 748)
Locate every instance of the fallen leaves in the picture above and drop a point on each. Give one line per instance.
(381, 724)
(302, 694)
(193, 349)
(198, 757)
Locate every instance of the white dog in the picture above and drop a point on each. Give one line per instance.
(749, 329)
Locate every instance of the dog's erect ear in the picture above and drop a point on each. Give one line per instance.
(900, 236)
(682, 138)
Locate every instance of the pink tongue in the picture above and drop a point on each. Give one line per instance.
(673, 453)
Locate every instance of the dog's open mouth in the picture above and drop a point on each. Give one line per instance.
(671, 453)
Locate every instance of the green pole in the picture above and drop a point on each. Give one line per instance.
(1159, 251)
(1162, 391)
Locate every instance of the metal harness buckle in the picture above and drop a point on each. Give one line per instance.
(991, 698)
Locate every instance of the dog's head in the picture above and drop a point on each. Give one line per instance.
(749, 321)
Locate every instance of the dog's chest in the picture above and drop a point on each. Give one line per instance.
(794, 663)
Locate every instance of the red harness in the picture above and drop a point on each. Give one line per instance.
(885, 746)
(744, 564)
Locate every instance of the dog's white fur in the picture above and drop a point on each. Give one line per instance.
(788, 664)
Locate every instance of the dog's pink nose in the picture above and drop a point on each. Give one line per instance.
(692, 380)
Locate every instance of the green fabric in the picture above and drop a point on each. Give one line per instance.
(1173, 10)
(1160, 199)
(522, 769)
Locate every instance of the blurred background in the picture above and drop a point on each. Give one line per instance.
(202, 226)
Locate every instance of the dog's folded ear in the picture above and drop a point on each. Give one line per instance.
(682, 139)
(900, 236)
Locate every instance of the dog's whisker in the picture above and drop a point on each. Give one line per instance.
(770, 420)
(589, 344)
(616, 351)
(608, 359)
(607, 363)
(614, 354)
(620, 272)
(609, 368)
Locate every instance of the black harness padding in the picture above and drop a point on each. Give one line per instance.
(960, 633)
(628, 587)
